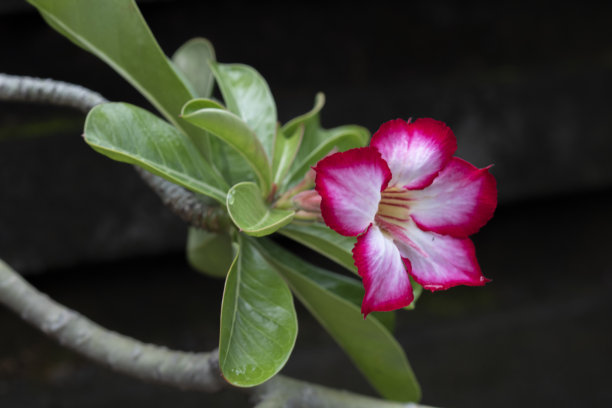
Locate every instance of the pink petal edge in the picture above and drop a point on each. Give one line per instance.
(415, 152)
(384, 272)
(460, 201)
(350, 184)
(442, 261)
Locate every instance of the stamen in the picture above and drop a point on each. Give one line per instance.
(395, 204)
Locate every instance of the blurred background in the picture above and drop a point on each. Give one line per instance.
(528, 89)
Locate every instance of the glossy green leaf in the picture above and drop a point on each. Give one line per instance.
(197, 104)
(325, 241)
(210, 252)
(116, 32)
(246, 94)
(130, 134)
(286, 147)
(231, 162)
(232, 130)
(251, 214)
(367, 342)
(192, 60)
(319, 142)
(258, 320)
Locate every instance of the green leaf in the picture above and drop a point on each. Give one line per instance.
(367, 342)
(116, 32)
(195, 105)
(258, 320)
(210, 252)
(286, 147)
(250, 213)
(232, 163)
(192, 60)
(319, 142)
(246, 94)
(232, 130)
(325, 241)
(132, 135)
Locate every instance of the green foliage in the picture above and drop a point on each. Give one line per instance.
(325, 241)
(236, 133)
(129, 48)
(210, 146)
(192, 60)
(210, 252)
(130, 134)
(258, 320)
(318, 142)
(247, 95)
(251, 214)
(286, 147)
(330, 298)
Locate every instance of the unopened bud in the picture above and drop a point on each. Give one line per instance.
(308, 200)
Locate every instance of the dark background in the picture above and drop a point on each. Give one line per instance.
(527, 88)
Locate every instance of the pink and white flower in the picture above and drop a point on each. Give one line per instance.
(412, 206)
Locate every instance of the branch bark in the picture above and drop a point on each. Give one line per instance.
(195, 371)
(184, 370)
(49, 91)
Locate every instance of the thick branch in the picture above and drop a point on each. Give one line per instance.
(185, 204)
(196, 371)
(281, 392)
(26, 89)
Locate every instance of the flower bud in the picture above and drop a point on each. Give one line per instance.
(308, 200)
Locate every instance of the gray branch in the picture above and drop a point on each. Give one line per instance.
(48, 91)
(195, 371)
(283, 392)
(182, 202)
(185, 204)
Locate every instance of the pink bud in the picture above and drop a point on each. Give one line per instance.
(308, 200)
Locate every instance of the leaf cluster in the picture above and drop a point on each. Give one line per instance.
(236, 155)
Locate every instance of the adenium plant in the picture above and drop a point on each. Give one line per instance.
(397, 212)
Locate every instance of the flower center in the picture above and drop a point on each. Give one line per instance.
(394, 206)
(394, 214)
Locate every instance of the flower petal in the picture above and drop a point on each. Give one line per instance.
(440, 261)
(384, 273)
(350, 184)
(458, 202)
(415, 152)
